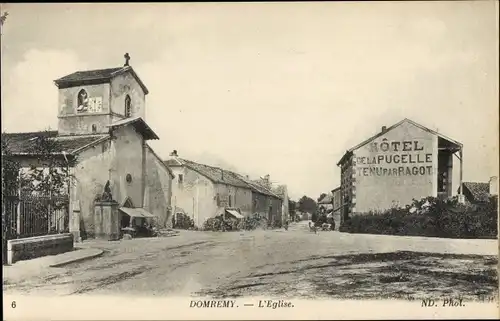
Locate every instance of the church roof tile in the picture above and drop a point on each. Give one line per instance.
(24, 143)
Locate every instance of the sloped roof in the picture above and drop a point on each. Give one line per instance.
(220, 175)
(24, 143)
(479, 191)
(215, 174)
(327, 199)
(406, 120)
(97, 76)
(335, 189)
(259, 188)
(139, 124)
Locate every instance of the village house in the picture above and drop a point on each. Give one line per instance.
(337, 200)
(479, 193)
(279, 190)
(400, 163)
(325, 204)
(102, 123)
(202, 191)
(331, 205)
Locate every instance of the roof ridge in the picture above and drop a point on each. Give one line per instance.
(25, 133)
(100, 75)
(97, 69)
(234, 176)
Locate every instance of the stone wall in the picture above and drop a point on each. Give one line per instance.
(38, 246)
(127, 158)
(73, 122)
(234, 197)
(123, 85)
(193, 194)
(90, 175)
(158, 193)
(262, 204)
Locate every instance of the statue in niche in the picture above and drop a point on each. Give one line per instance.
(106, 195)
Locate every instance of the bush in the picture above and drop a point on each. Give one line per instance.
(221, 224)
(447, 219)
(183, 221)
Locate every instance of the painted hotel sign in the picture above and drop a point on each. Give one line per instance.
(395, 158)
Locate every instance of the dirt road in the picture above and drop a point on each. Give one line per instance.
(295, 263)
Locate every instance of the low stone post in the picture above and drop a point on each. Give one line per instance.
(107, 216)
(74, 220)
(107, 220)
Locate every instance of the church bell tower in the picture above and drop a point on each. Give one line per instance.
(91, 100)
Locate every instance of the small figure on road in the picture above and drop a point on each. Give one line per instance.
(286, 225)
(312, 227)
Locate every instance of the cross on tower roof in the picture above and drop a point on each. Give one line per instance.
(127, 58)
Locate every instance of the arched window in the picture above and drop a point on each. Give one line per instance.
(128, 106)
(94, 128)
(83, 101)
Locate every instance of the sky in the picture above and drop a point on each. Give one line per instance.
(270, 88)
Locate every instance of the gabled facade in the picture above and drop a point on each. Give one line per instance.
(403, 162)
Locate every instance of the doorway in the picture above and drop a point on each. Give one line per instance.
(125, 219)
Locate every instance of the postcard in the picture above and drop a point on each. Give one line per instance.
(260, 160)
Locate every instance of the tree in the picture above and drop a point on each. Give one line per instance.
(307, 204)
(323, 195)
(46, 181)
(3, 17)
(292, 205)
(10, 187)
(10, 170)
(50, 173)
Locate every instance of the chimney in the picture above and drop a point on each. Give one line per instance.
(174, 153)
(493, 185)
(384, 128)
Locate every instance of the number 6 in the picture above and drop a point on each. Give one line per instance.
(13, 305)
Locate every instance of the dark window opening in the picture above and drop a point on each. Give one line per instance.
(83, 101)
(94, 128)
(128, 106)
(181, 178)
(229, 201)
